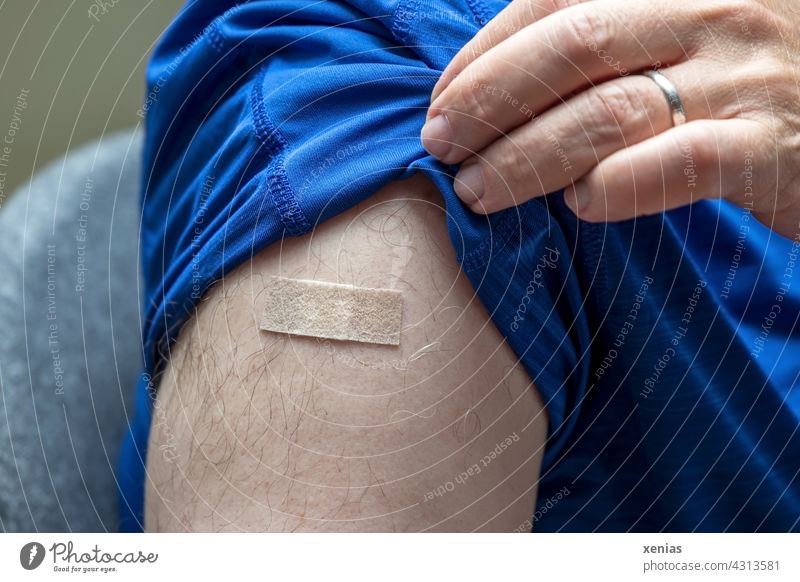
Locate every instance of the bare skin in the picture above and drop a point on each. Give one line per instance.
(259, 431)
(566, 73)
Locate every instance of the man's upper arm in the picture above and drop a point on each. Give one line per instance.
(256, 430)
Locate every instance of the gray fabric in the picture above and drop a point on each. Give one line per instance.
(59, 442)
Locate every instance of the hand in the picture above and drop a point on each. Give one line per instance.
(548, 96)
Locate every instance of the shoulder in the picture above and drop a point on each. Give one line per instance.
(263, 430)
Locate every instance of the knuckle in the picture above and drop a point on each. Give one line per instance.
(512, 166)
(767, 80)
(588, 28)
(745, 15)
(614, 108)
(470, 99)
(509, 172)
(774, 72)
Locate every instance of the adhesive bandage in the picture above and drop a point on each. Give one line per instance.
(332, 310)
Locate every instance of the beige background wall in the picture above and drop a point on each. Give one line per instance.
(78, 66)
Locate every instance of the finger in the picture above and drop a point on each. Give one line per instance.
(699, 160)
(550, 59)
(567, 141)
(516, 16)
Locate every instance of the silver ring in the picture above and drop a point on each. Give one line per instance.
(671, 93)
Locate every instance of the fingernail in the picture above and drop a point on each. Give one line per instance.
(580, 196)
(469, 183)
(437, 136)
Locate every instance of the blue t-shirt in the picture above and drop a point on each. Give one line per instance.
(664, 348)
